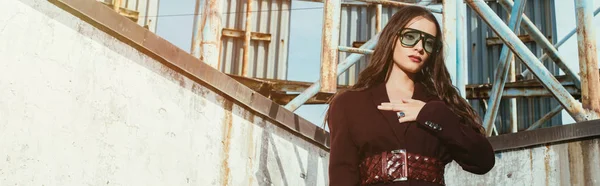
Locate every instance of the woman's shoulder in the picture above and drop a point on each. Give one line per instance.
(348, 96)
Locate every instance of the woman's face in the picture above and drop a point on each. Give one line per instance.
(414, 45)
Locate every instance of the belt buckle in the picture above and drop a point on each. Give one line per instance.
(404, 164)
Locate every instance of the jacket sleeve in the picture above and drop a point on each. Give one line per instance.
(469, 148)
(343, 154)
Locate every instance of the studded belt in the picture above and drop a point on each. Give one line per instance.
(398, 165)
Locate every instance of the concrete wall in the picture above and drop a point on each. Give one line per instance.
(79, 107)
(573, 163)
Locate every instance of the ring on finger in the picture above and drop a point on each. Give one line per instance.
(400, 114)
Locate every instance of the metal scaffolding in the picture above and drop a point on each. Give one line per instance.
(209, 34)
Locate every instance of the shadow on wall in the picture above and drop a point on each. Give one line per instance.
(270, 155)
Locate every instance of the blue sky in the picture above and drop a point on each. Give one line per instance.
(305, 39)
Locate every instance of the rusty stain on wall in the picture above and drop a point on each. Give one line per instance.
(547, 162)
(227, 126)
(250, 145)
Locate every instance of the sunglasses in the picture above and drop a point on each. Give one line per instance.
(410, 37)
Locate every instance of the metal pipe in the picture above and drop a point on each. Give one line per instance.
(546, 45)
(502, 69)
(329, 45)
(378, 12)
(401, 4)
(461, 52)
(529, 59)
(247, 35)
(354, 50)
(512, 102)
(545, 118)
(526, 72)
(116, 5)
(588, 56)
(206, 39)
(449, 33)
(342, 67)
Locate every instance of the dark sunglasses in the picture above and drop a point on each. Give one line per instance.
(410, 37)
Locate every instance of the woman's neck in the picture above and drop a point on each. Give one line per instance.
(400, 84)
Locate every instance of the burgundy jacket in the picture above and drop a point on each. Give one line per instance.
(359, 129)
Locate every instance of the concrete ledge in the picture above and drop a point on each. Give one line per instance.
(542, 136)
(129, 32)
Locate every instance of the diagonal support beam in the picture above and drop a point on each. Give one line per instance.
(342, 67)
(529, 59)
(526, 72)
(502, 70)
(541, 40)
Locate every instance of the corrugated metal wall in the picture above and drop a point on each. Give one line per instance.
(148, 11)
(483, 59)
(268, 59)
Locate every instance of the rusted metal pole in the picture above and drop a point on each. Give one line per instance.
(248, 33)
(461, 52)
(378, 12)
(400, 4)
(449, 33)
(206, 39)
(355, 50)
(543, 42)
(588, 56)
(502, 69)
(116, 5)
(342, 67)
(329, 45)
(530, 60)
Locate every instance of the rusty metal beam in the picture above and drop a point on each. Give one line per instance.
(490, 41)
(525, 88)
(588, 57)
(515, 92)
(558, 134)
(329, 44)
(401, 4)
(248, 28)
(257, 36)
(355, 50)
(277, 85)
(319, 98)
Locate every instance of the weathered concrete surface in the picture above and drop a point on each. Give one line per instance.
(556, 164)
(78, 107)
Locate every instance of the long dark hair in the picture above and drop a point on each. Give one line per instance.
(434, 76)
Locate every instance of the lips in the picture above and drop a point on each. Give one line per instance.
(415, 59)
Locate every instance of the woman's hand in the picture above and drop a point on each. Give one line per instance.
(410, 108)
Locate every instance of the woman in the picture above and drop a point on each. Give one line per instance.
(403, 121)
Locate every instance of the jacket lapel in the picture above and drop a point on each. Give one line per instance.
(379, 95)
